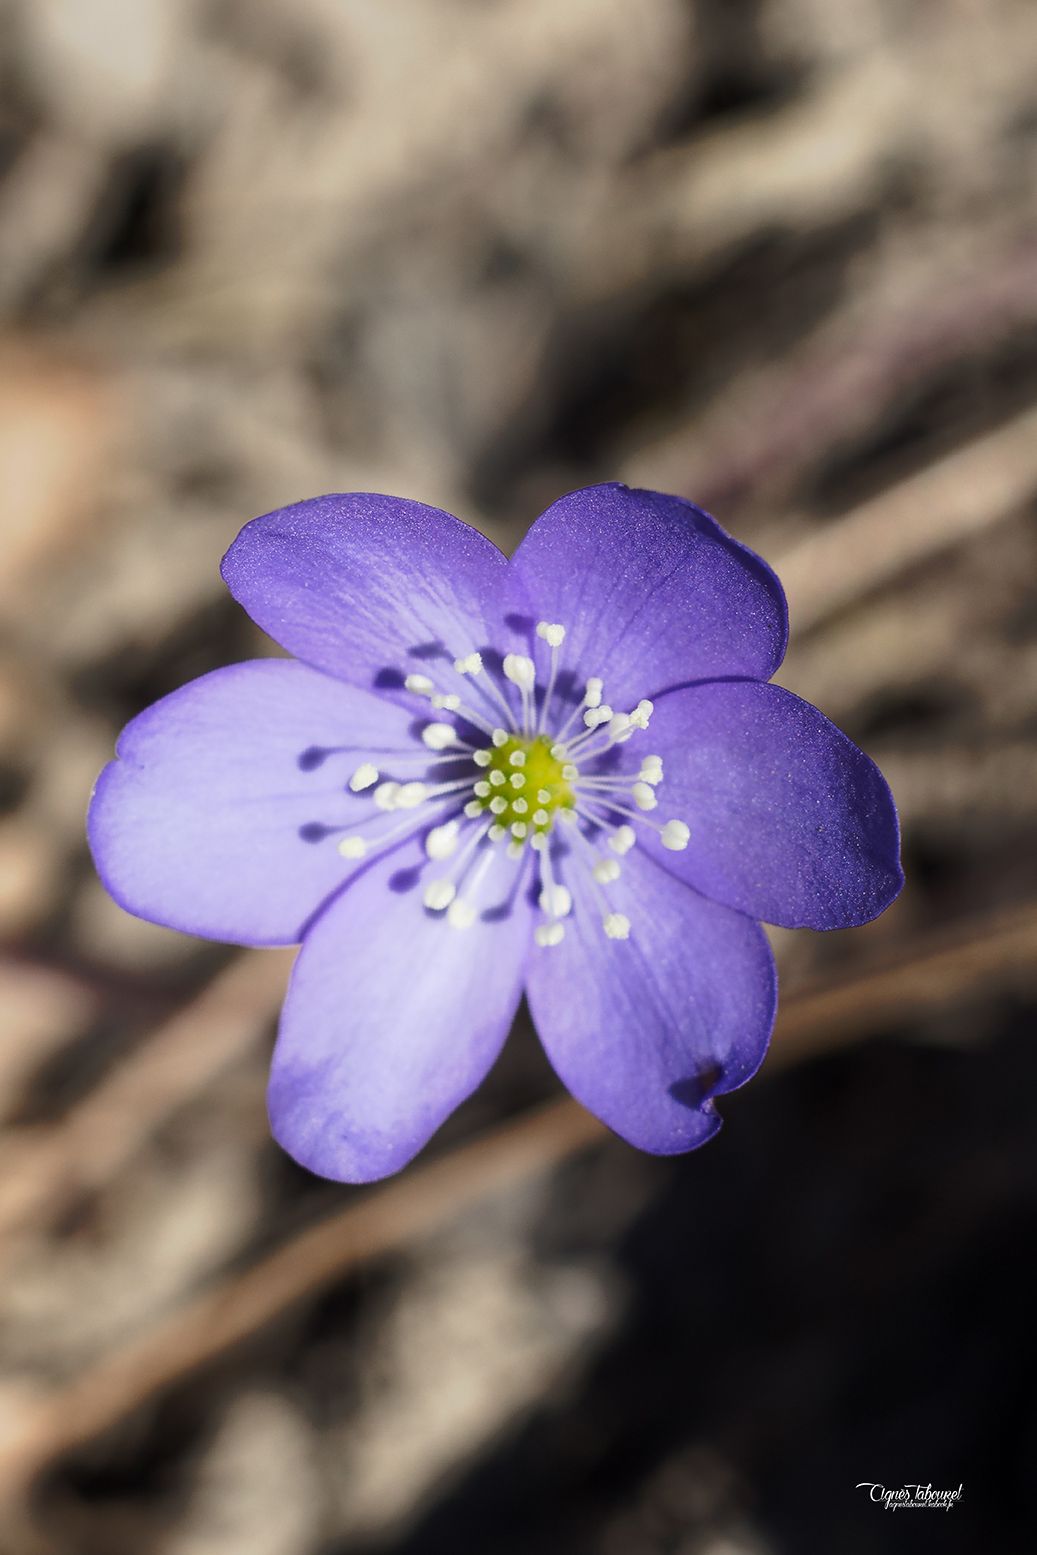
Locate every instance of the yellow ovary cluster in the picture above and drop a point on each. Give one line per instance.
(524, 786)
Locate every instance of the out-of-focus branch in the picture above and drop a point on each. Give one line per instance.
(971, 490)
(41, 1171)
(428, 1196)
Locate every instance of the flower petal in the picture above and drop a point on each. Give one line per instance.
(392, 1018)
(646, 1031)
(202, 821)
(652, 592)
(790, 821)
(361, 585)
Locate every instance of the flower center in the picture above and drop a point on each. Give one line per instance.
(524, 785)
(487, 785)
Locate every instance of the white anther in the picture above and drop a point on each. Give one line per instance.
(419, 684)
(540, 817)
(473, 808)
(616, 925)
(568, 817)
(595, 716)
(497, 778)
(539, 842)
(517, 758)
(500, 737)
(438, 736)
(460, 914)
(518, 780)
(497, 831)
(520, 806)
(549, 933)
(592, 695)
(619, 723)
(622, 840)
(651, 771)
(439, 894)
(471, 664)
(449, 703)
(544, 796)
(644, 796)
(442, 840)
(352, 847)
(499, 805)
(363, 777)
(481, 789)
(519, 829)
(411, 795)
(606, 871)
(482, 758)
(675, 836)
(556, 901)
(520, 670)
(385, 795)
(552, 634)
(515, 850)
(570, 772)
(642, 713)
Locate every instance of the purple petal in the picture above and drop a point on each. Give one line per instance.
(392, 1018)
(646, 1031)
(652, 592)
(368, 587)
(202, 822)
(790, 821)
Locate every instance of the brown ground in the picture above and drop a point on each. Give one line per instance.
(777, 255)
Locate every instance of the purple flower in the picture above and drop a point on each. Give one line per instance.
(563, 774)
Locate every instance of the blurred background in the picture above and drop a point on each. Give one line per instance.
(779, 256)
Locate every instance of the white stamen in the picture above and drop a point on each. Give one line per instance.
(497, 778)
(482, 789)
(363, 777)
(499, 737)
(411, 795)
(540, 817)
(520, 806)
(619, 723)
(544, 796)
(515, 849)
(473, 808)
(520, 670)
(594, 716)
(518, 780)
(420, 685)
(438, 736)
(519, 829)
(460, 914)
(551, 633)
(556, 901)
(644, 796)
(606, 870)
(442, 840)
(616, 925)
(498, 805)
(439, 894)
(449, 703)
(353, 847)
(592, 695)
(622, 840)
(570, 772)
(497, 832)
(471, 664)
(642, 713)
(482, 758)
(675, 835)
(517, 759)
(547, 934)
(385, 795)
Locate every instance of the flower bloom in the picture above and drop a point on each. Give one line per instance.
(562, 774)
